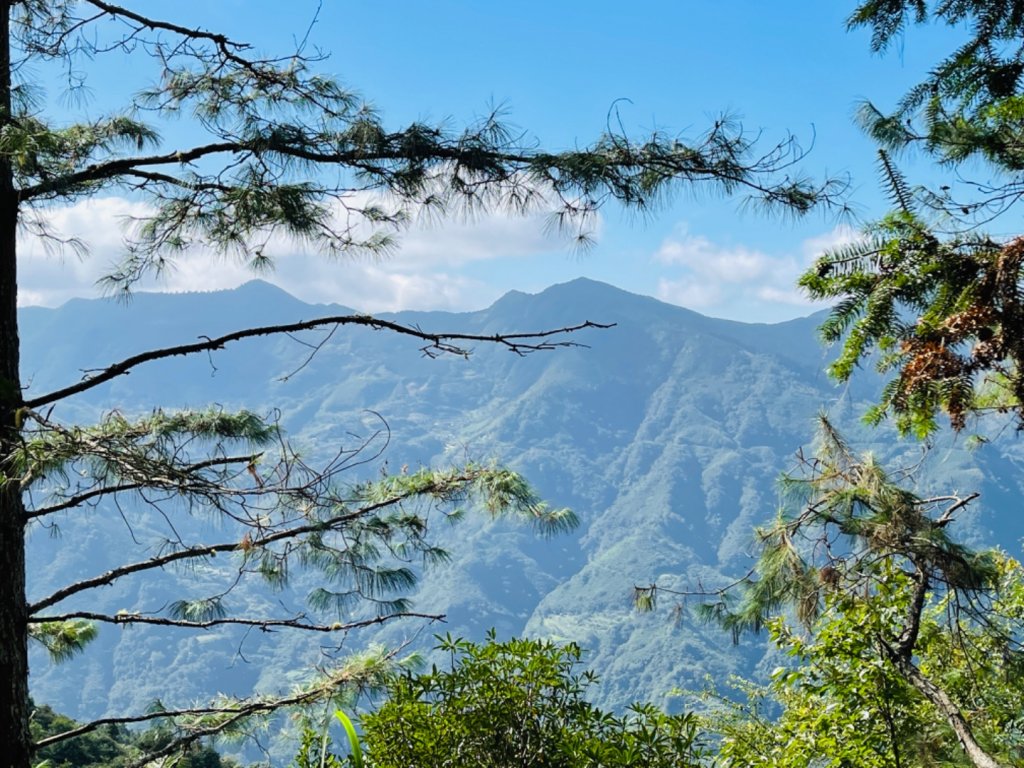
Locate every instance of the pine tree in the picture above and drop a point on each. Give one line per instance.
(283, 152)
(904, 639)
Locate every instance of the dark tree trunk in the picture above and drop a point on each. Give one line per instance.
(14, 711)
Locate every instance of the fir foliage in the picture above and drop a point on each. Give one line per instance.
(924, 292)
(944, 314)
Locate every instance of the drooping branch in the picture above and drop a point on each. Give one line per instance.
(212, 550)
(202, 722)
(498, 490)
(436, 344)
(299, 621)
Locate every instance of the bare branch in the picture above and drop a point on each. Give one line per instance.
(226, 45)
(947, 514)
(266, 625)
(942, 701)
(437, 344)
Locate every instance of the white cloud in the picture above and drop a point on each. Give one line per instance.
(457, 243)
(738, 281)
(437, 266)
(380, 287)
(101, 222)
(792, 296)
(50, 269)
(702, 257)
(422, 274)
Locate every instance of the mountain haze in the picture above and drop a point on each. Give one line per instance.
(665, 434)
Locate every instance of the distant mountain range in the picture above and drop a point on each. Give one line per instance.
(666, 434)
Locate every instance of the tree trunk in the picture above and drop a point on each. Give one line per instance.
(946, 707)
(14, 707)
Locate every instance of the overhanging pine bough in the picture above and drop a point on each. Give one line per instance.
(284, 152)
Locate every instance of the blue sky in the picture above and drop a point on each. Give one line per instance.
(557, 69)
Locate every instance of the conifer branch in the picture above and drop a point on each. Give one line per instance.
(201, 722)
(436, 344)
(299, 621)
(212, 550)
(92, 495)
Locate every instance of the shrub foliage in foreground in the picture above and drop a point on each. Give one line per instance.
(518, 704)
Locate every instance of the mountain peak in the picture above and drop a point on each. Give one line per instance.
(586, 299)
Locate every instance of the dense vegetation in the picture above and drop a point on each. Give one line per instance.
(518, 703)
(110, 745)
(274, 151)
(905, 643)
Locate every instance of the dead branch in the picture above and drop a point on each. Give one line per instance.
(298, 621)
(437, 344)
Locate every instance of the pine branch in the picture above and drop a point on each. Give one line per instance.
(266, 625)
(122, 166)
(437, 344)
(197, 552)
(226, 716)
(150, 482)
(500, 491)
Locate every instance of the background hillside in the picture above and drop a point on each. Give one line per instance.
(666, 435)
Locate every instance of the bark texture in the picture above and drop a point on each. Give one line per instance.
(14, 706)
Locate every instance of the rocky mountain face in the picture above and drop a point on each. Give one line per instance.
(666, 434)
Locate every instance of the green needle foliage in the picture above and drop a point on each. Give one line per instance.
(847, 516)
(925, 293)
(904, 640)
(944, 314)
(273, 154)
(63, 639)
(969, 105)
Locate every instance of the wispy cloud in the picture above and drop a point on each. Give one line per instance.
(423, 273)
(739, 281)
(705, 259)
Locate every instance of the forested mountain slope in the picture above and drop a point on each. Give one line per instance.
(666, 434)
